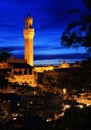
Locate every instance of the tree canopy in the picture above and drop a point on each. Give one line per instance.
(4, 73)
(78, 33)
(4, 54)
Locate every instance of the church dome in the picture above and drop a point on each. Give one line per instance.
(64, 65)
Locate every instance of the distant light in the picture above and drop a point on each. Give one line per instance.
(67, 106)
(88, 105)
(48, 119)
(51, 67)
(80, 106)
(64, 90)
(62, 114)
(82, 89)
(8, 100)
(14, 118)
(31, 102)
(18, 104)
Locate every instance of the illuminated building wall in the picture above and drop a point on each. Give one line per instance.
(22, 72)
(64, 65)
(44, 68)
(21, 79)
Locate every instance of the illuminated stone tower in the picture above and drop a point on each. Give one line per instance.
(28, 38)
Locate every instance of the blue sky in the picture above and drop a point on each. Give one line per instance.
(50, 20)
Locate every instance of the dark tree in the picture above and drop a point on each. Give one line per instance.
(78, 33)
(88, 4)
(4, 73)
(4, 54)
(3, 82)
(75, 119)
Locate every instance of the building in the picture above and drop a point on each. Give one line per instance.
(64, 65)
(28, 38)
(44, 68)
(23, 70)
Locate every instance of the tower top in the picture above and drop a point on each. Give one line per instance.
(28, 21)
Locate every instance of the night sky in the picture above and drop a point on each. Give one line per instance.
(50, 20)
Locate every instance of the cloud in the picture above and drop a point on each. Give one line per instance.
(59, 56)
(50, 48)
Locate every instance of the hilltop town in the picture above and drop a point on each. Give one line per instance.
(39, 97)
